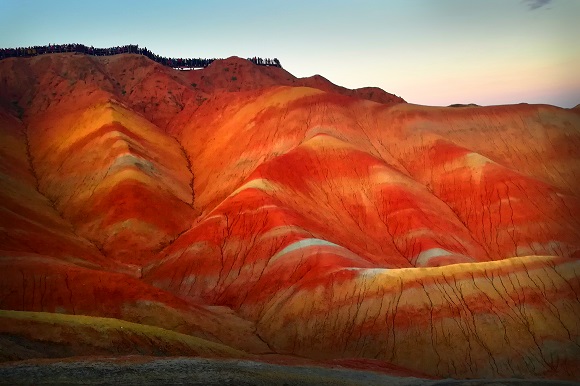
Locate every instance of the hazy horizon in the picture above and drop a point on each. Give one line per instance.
(431, 53)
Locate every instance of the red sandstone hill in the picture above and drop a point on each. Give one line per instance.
(239, 211)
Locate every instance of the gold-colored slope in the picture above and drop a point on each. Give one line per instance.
(29, 222)
(119, 179)
(28, 335)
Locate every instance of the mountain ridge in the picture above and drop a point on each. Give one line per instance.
(291, 216)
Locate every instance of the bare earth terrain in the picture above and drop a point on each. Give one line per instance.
(243, 215)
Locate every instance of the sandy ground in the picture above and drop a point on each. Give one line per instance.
(195, 371)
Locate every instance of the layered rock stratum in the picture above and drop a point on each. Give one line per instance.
(239, 212)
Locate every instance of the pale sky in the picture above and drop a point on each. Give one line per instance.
(433, 52)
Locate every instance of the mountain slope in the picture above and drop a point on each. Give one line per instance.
(286, 216)
(79, 335)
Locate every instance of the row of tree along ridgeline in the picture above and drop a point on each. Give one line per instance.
(181, 63)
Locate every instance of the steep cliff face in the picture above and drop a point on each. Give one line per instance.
(277, 215)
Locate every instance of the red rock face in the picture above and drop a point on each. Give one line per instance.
(336, 225)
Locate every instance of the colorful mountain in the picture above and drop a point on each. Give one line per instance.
(238, 211)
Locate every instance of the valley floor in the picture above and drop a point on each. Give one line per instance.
(198, 371)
